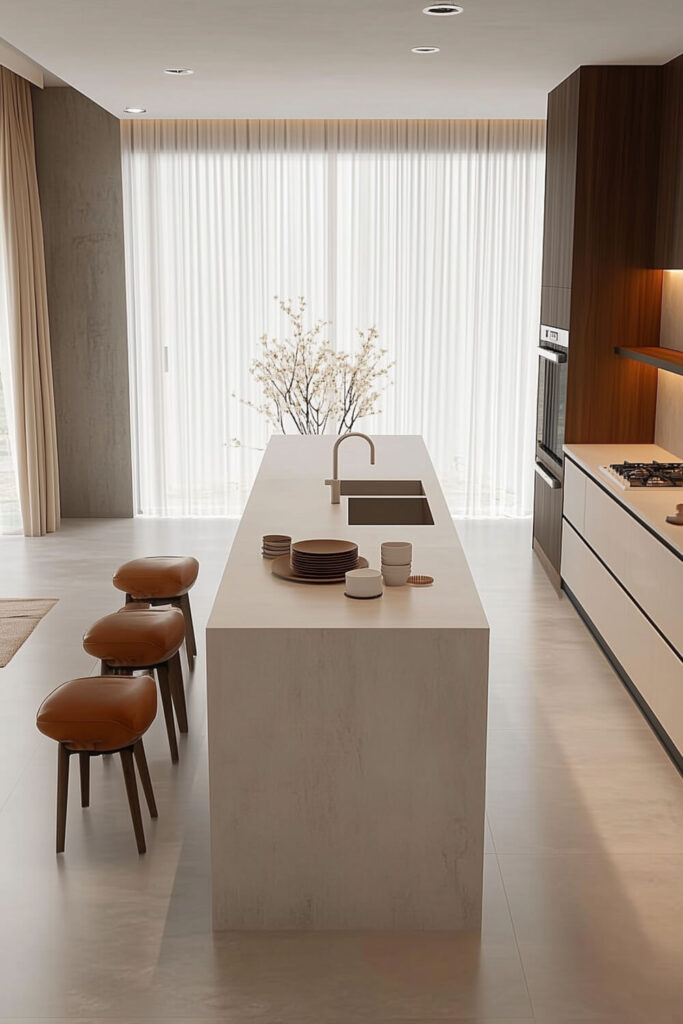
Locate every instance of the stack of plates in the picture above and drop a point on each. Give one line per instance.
(324, 559)
(275, 545)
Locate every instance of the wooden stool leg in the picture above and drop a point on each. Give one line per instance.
(175, 672)
(133, 800)
(62, 794)
(84, 762)
(167, 704)
(190, 641)
(145, 779)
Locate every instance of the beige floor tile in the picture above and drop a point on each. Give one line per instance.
(600, 933)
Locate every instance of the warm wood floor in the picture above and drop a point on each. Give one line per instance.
(584, 863)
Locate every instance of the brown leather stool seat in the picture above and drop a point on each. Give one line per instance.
(162, 579)
(159, 576)
(137, 639)
(99, 713)
(95, 715)
(148, 639)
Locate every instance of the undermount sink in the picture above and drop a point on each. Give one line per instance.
(381, 487)
(390, 511)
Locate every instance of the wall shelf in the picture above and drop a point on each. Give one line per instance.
(662, 358)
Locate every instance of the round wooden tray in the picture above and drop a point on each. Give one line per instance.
(283, 569)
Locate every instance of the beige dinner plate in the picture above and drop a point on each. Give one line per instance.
(323, 565)
(284, 570)
(324, 548)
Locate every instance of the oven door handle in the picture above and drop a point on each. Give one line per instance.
(547, 477)
(552, 355)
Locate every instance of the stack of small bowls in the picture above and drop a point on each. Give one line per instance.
(397, 558)
(275, 545)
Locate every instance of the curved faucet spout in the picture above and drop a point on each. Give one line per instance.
(334, 482)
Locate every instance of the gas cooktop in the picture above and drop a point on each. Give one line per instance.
(645, 474)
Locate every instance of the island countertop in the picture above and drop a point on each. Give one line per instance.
(347, 739)
(290, 497)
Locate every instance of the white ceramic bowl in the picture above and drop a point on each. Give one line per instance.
(395, 575)
(364, 582)
(397, 552)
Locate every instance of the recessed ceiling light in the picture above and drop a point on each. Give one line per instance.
(425, 49)
(442, 10)
(178, 71)
(135, 110)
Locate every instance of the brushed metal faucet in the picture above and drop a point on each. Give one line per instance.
(335, 482)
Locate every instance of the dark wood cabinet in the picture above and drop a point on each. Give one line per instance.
(548, 524)
(560, 191)
(669, 252)
(603, 141)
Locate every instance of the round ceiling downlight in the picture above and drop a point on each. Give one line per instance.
(135, 110)
(425, 49)
(442, 10)
(178, 71)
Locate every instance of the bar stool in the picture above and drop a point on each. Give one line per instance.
(162, 579)
(105, 715)
(131, 640)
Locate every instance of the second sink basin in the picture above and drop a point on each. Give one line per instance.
(390, 511)
(381, 487)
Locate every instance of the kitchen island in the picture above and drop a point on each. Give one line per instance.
(347, 739)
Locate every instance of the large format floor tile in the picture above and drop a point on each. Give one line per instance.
(582, 901)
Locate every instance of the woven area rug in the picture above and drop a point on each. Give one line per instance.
(18, 619)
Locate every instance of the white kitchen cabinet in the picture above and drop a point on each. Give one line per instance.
(629, 584)
(650, 572)
(574, 509)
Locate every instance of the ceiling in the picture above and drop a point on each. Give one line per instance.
(334, 58)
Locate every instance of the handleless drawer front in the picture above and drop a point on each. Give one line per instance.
(655, 670)
(575, 481)
(649, 571)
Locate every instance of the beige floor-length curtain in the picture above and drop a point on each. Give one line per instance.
(432, 231)
(35, 440)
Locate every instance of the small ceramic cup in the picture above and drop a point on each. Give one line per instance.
(395, 575)
(397, 552)
(364, 583)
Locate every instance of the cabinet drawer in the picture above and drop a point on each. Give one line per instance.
(651, 573)
(574, 495)
(646, 658)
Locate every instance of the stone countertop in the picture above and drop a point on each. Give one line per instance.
(289, 496)
(650, 505)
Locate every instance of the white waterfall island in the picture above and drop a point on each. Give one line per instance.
(347, 739)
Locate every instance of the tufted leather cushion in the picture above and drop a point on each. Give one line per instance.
(161, 576)
(136, 638)
(99, 712)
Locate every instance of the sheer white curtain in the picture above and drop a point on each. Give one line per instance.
(430, 230)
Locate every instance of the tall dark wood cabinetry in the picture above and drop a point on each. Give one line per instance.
(603, 139)
(560, 193)
(669, 253)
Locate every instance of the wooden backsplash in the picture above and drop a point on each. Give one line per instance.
(669, 423)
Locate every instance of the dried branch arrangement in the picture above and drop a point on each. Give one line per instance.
(309, 386)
